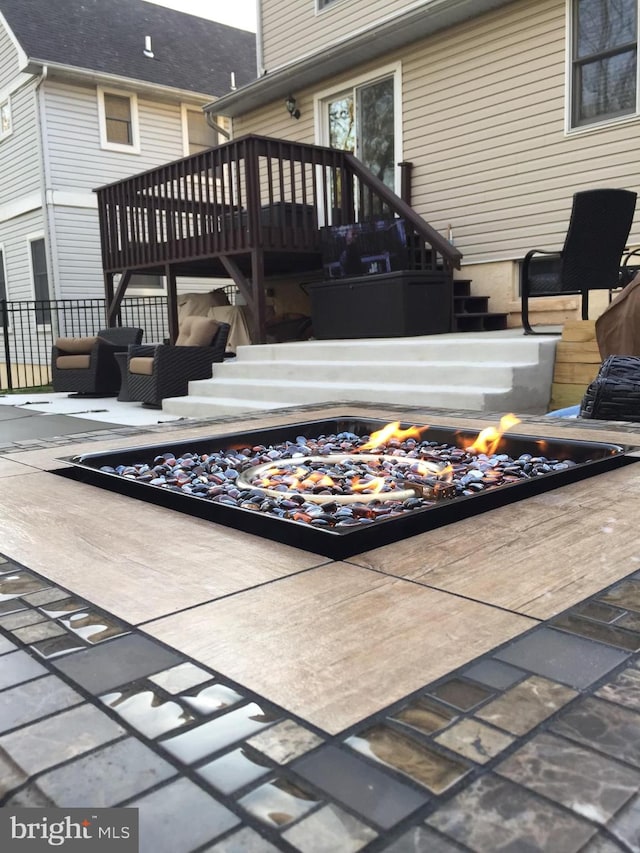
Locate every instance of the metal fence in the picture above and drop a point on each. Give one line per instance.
(28, 329)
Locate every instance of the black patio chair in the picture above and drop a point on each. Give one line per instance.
(591, 256)
(156, 372)
(87, 366)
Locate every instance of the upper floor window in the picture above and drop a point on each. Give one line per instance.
(5, 118)
(197, 135)
(323, 3)
(604, 60)
(118, 113)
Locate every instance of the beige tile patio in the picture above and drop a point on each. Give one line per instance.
(537, 556)
(8, 468)
(338, 643)
(136, 560)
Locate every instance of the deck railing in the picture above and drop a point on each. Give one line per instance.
(250, 193)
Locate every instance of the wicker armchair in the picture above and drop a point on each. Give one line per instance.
(591, 256)
(156, 372)
(87, 366)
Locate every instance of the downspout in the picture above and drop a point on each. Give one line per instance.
(215, 126)
(47, 201)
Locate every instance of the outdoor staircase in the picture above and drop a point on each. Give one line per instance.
(499, 371)
(471, 313)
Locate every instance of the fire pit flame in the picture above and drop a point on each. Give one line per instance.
(392, 430)
(489, 439)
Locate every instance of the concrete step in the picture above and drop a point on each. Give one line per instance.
(486, 373)
(464, 348)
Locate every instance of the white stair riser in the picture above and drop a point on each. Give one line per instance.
(491, 375)
(439, 348)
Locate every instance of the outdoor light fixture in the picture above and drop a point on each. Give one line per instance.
(290, 104)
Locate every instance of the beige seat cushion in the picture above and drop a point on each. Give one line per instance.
(196, 332)
(141, 365)
(73, 362)
(76, 346)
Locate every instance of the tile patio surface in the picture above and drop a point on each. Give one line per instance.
(475, 687)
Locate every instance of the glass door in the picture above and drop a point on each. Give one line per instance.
(361, 120)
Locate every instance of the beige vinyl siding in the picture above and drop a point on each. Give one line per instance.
(483, 124)
(292, 29)
(9, 63)
(19, 152)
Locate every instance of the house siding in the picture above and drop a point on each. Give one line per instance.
(76, 160)
(13, 238)
(9, 61)
(292, 29)
(19, 152)
(77, 164)
(78, 253)
(484, 125)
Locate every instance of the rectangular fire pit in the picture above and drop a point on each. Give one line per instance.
(316, 485)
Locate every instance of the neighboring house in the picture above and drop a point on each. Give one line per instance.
(92, 91)
(505, 108)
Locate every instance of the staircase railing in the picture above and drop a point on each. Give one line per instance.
(251, 193)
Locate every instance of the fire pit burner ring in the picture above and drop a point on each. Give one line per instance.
(360, 490)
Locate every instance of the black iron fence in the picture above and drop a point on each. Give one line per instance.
(28, 329)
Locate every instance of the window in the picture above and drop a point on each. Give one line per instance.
(118, 114)
(604, 60)
(322, 4)
(197, 135)
(364, 120)
(5, 119)
(40, 280)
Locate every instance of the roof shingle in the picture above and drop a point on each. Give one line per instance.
(108, 36)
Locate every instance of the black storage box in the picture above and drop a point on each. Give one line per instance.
(385, 305)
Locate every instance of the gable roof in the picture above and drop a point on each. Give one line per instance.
(108, 36)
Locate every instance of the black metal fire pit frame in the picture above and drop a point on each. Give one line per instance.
(591, 458)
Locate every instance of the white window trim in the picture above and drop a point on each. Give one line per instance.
(134, 148)
(7, 133)
(601, 124)
(3, 255)
(184, 110)
(320, 116)
(320, 10)
(141, 290)
(31, 238)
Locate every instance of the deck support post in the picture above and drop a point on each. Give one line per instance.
(253, 292)
(172, 303)
(113, 309)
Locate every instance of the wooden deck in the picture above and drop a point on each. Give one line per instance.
(249, 209)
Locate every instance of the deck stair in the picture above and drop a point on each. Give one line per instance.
(471, 313)
(488, 371)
